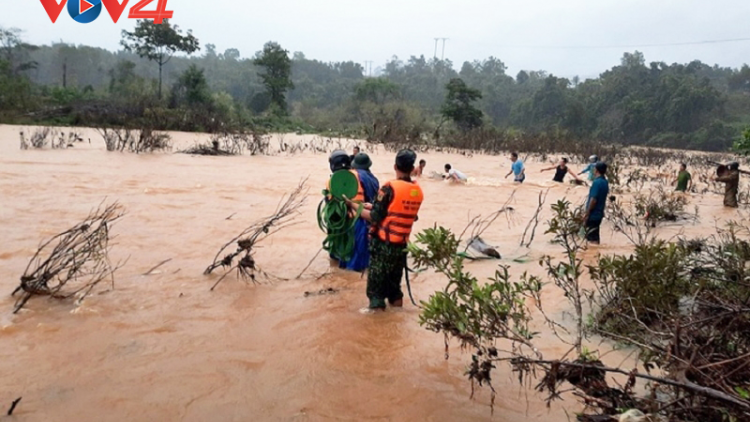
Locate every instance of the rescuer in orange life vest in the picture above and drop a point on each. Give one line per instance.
(392, 216)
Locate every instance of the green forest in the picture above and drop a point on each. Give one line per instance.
(167, 76)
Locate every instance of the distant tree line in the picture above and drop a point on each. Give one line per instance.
(690, 105)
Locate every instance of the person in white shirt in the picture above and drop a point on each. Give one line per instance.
(454, 175)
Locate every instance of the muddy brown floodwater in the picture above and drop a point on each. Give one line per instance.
(163, 347)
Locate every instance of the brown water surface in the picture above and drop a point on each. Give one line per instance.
(163, 347)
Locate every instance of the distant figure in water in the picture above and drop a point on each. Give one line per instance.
(516, 169)
(596, 204)
(731, 178)
(590, 169)
(454, 175)
(392, 215)
(684, 180)
(561, 170)
(355, 151)
(420, 169)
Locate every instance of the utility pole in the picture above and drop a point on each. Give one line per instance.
(368, 67)
(434, 56)
(442, 56)
(65, 73)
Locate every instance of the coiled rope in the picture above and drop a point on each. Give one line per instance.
(338, 225)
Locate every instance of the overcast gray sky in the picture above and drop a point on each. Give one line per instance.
(513, 31)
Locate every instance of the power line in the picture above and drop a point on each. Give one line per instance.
(592, 47)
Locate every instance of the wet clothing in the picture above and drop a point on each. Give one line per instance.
(599, 191)
(590, 170)
(459, 175)
(360, 259)
(732, 181)
(592, 230)
(560, 173)
(387, 256)
(683, 178)
(387, 263)
(518, 174)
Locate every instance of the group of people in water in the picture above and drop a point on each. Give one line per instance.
(385, 217)
(386, 214)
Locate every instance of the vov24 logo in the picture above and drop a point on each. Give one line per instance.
(86, 11)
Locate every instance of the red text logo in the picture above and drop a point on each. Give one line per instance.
(114, 8)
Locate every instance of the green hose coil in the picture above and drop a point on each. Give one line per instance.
(334, 220)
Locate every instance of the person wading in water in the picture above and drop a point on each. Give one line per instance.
(392, 216)
(731, 178)
(561, 170)
(684, 180)
(596, 204)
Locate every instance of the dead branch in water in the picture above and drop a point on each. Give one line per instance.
(77, 254)
(478, 225)
(534, 220)
(154, 268)
(13, 406)
(246, 267)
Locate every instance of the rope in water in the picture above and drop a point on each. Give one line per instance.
(335, 221)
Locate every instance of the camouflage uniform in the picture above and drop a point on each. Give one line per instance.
(387, 260)
(732, 181)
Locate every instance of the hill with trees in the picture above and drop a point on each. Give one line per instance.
(692, 105)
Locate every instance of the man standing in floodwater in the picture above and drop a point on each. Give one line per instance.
(561, 170)
(419, 170)
(355, 151)
(596, 203)
(516, 169)
(684, 179)
(392, 216)
(731, 179)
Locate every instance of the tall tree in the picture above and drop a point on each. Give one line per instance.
(15, 52)
(458, 105)
(158, 42)
(191, 89)
(277, 74)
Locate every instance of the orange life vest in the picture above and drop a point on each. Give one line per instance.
(360, 190)
(402, 212)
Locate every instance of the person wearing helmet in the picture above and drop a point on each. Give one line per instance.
(392, 216)
(730, 176)
(591, 168)
(368, 187)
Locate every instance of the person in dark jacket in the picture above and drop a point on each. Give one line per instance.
(561, 170)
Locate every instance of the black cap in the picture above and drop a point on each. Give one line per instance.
(601, 167)
(734, 165)
(339, 159)
(405, 160)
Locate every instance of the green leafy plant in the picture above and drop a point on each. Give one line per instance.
(477, 314)
(742, 145)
